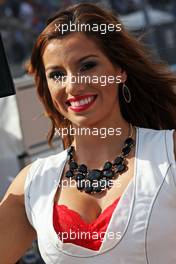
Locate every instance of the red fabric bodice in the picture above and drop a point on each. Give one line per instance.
(71, 228)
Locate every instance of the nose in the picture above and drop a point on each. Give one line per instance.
(74, 85)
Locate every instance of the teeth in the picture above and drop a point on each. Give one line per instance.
(83, 101)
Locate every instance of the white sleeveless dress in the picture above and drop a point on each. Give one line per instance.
(145, 216)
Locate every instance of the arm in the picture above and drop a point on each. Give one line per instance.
(16, 233)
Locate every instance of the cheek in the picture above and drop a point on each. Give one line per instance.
(54, 91)
(112, 90)
(112, 94)
(57, 98)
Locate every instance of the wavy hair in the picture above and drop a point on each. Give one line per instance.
(151, 83)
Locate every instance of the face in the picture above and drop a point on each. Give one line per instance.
(77, 75)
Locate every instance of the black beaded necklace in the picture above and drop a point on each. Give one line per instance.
(94, 181)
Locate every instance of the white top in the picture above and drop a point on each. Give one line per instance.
(145, 216)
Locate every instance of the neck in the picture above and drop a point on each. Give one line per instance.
(94, 150)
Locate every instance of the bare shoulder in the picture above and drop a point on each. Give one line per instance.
(175, 143)
(17, 186)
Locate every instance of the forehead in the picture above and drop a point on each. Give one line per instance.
(70, 47)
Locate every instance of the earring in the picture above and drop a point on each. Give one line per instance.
(126, 93)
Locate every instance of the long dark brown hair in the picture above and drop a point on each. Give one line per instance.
(151, 84)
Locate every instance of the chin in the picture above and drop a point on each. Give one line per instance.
(82, 122)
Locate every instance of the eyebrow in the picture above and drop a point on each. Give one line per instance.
(77, 62)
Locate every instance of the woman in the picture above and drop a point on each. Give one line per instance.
(123, 196)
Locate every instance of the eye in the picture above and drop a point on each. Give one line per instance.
(56, 75)
(88, 65)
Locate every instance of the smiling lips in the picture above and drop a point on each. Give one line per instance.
(81, 103)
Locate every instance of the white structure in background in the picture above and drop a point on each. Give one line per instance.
(136, 20)
(23, 131)
(10, 141)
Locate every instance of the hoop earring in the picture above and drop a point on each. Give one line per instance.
(126, 93)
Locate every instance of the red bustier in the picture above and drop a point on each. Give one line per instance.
(71, 228)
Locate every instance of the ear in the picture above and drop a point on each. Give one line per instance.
(122, 73)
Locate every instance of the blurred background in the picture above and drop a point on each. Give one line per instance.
(23, 126)
(22, 21)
